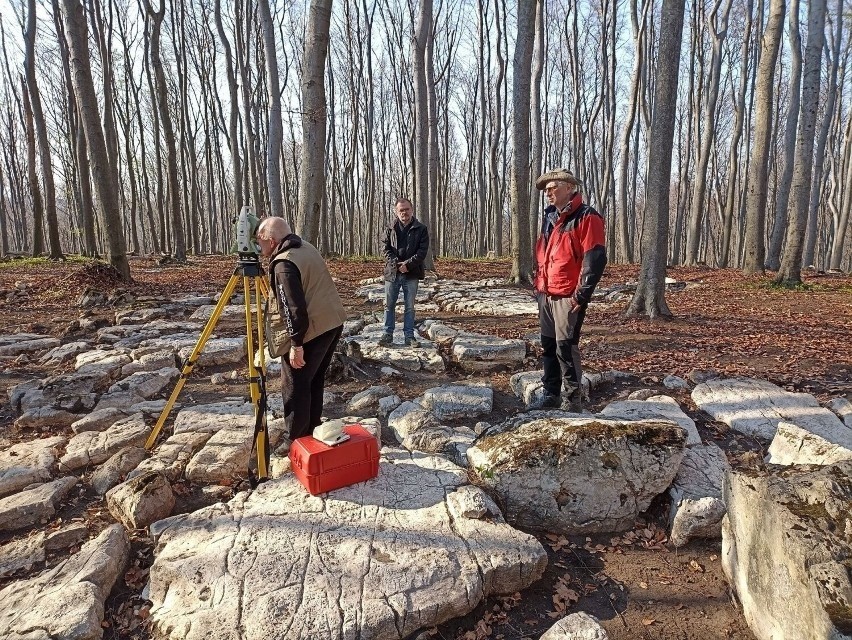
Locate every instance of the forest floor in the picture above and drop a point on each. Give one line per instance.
(640, 586)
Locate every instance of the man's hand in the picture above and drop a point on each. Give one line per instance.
(297, 357)
(575, 304)
(403, 268)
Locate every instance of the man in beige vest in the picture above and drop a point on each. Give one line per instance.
(312, 312)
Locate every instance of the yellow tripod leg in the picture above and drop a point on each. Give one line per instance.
(254, 385)
(189, 364)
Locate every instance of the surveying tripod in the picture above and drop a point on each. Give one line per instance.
(248, 268)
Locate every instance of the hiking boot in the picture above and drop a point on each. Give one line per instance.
(547, 401)
(412, 342)
(386, 340)
(572, 403)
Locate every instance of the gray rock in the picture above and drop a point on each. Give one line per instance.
(458, 401)
(67, 601)
(114, 470)
(451, 443)
(172, 456)
(66, 537)
(147, 383)
(118, 400)
(29, 346)
(662, 407)
(98, 420)
(34, 504)
(481, 352)
(146, 359)
(408, 418)
(219, 351)
(578, 475)
(388, 404)
(697, 376)
(64, 353)
(17, 392)
(21, 554)
(28, 463)
(95, 447)
(378, 560)
(786, 540)
(697, 506)
(755, 407)
(641, 394)
(390, 372)
(675, 382)
(138, 502)
(577, 626)
(368, 398)
(107, 361)
(213, 417)
(366, 346)
(152, 408)
(224, 456)
(39, 417)
(843, 409)
(794, 445)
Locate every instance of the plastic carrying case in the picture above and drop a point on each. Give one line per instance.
(322, 468)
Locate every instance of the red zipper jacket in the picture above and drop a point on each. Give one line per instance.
(570, 254)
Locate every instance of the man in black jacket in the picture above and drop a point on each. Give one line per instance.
(405, 246)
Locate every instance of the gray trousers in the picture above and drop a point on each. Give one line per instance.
(560, 339)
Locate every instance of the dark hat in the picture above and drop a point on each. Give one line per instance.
(556, 174)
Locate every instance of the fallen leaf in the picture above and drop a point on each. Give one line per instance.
(648, 621)
(693, 564)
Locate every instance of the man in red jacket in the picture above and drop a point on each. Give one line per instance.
(570, 259)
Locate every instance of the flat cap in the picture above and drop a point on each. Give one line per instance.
(556, 174)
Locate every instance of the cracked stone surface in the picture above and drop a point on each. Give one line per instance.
(21, 554)
(476, 351)
(368, 398)
(16, 345)
(218, 351)
(213, 417)
(755, 407)
(664, 407)
(64, 353)
(34, 504)
(171, 457)
(408, 418)
(377, 560)
(95, 447)
(366, 345)
(98, 420)
(148, 360)
(114, 470)
(577, 475)
(697, 506)
(39, 417)
(147, 383)
(794, 445)
(577, 626)
(527, 385)
(66, 602)
(28, 463)
(843, 409)
(786, 549)
(108, 361)
(458, 401)
(142, 500)
(446, 441)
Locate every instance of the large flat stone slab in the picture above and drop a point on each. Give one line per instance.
(755, 407)
(28, 463)
(33, 505)
(458, 401)
(213, 417)
(786, 550)
(377, 560)
(577, 475)
(218, 351)
(366, 345)
(661, 407)
(95, 447)
(223, 457)
(66, 602)
(794, 445)
(171, 457)
(28, 345)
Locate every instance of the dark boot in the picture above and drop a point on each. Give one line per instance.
(572, 402)
(547, 401)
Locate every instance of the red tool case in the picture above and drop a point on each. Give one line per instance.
(321, 468)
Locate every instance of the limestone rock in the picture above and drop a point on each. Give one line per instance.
(216, 416)
(786, 550)
(172, 456)
(675, 382)
(577, 626)
(377, 560)
(111, 472)
(39, 417)
(224, 456)
(219, 351)
(755, 407)
(29, 346)
(388, 404)
(641, 394)
(843, 409)
(663, 407)
(794, 445)
(67, 601)
(21, 554)
(147, 383)
(147, 359)
(578, 475)
(118, 400)
(28, 463)
(408, 418)
(64, 353)
(366, 346)
(368, 398)
(33, 504)
(697, 506)
(481, 352)
(458, 401)
(108, 361)
(95, 447)
(98, 420)
(66, 537)
(138, 502)
(446, 441)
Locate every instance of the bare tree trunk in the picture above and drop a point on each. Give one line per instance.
(275, 129)
(759, 162)
(41, 134)
(521, 248)
(236, 171)
(162, 99)
(32, 175)
(422, 32)
(791, 265)
(782, 194)
(315, 115)
(535, 122)
(87, 105)
(819, 160)
(697, 214)
(650, 298)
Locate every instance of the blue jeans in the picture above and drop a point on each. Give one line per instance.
(409, 292)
